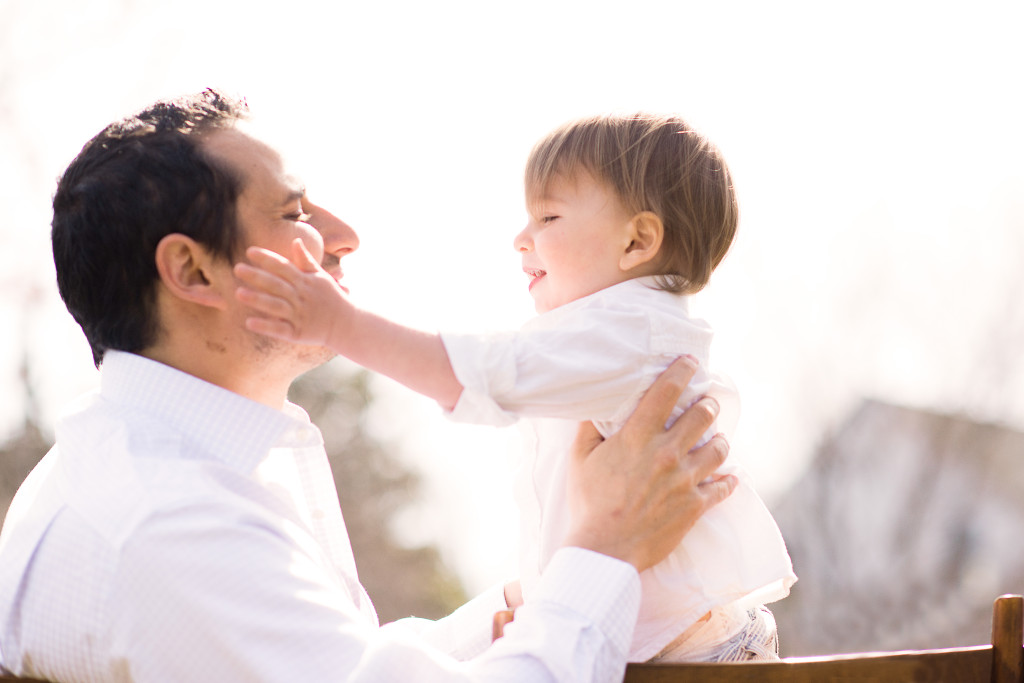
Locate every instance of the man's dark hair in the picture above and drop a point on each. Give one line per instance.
(137, 181)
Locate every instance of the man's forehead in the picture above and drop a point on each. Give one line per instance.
(259, 164)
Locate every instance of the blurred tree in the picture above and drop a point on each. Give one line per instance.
(17, 458)
(372, 486)
(21, 453)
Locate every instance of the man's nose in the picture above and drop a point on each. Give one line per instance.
(340, 239)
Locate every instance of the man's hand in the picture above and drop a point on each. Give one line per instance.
(634, 495)
(296, 301)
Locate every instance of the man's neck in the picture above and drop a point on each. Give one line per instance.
(256, 383)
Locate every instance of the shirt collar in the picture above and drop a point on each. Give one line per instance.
(644, 290)
(226, 426)
(641, 286)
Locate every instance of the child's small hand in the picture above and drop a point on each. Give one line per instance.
(298, 302)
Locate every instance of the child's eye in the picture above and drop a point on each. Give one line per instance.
(548, 219)
(299, 217)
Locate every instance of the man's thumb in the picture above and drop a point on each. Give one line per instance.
(587, 439)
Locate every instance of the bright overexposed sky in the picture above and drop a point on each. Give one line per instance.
(876, 147)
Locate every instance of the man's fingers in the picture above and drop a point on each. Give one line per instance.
(587, 439)
(694, 421)
(717, 490)
(656, 404)
(705, 460)
(501, 620)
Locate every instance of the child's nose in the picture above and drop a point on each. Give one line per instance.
(522, 242)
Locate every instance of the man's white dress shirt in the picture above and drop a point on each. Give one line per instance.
(180, 532)
(592, 359)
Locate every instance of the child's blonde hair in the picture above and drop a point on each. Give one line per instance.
(657, 164)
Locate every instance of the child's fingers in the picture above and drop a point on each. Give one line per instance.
(265, 304)
(261, 280)
(272, 262)
(271, 328)
(302, 257)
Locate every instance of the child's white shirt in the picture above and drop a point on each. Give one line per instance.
(592, 359)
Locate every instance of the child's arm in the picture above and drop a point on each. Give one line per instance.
(591, 359)
(302, 303)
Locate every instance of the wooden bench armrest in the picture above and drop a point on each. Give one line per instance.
(1000, 662)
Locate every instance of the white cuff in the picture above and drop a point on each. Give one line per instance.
(602, 588)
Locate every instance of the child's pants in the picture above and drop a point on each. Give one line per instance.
(757, 639)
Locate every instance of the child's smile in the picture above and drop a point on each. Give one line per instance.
(574, 241)
(534, 275)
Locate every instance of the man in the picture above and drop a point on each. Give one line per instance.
(185, 526)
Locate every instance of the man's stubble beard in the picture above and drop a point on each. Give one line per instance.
(305, 357)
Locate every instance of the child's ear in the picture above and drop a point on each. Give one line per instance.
(187, 270)
(646, 232)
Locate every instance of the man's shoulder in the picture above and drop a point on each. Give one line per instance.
(115, 469)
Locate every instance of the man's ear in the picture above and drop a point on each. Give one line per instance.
(187, 270)
(646, 232)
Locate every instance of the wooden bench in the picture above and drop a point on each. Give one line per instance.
(1000, 662)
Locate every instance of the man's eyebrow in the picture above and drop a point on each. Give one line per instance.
(294, 194)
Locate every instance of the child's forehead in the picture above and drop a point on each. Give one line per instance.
(580, 191)
(559, 185)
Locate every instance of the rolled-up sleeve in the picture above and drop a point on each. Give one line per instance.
(582, 365)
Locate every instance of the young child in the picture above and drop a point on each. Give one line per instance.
(627, 216)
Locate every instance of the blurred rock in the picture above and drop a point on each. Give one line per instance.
(903, 530)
